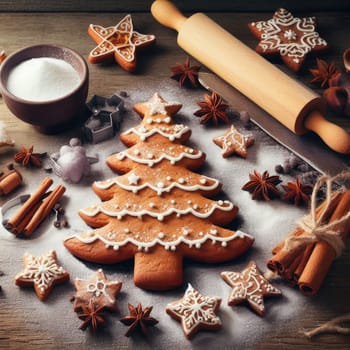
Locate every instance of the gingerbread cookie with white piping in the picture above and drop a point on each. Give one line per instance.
(119, 41)
(290, 37)
(158, 212)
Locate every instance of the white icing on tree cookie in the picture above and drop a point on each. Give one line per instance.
(158, 203)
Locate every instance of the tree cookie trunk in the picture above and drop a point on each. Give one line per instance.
(159, 269)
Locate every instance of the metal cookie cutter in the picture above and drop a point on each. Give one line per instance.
(10, 204)
(105, 119)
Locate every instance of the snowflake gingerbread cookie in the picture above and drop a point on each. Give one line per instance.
(195, 312)
(43, 272)
(158, 211)
(290, 37)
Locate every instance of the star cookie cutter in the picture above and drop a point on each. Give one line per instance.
(105, 119)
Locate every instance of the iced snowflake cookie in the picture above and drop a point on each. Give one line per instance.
(158, 212)
(43, 272)
(195, 312)
(290, 37)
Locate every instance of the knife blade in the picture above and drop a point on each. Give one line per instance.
(308, 147)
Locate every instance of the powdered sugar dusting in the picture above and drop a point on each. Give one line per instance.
(268, 222)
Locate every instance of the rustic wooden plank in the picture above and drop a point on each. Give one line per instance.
(17, 329)
(194, 5)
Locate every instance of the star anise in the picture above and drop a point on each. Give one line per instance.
(324, 72)
(297, 193)
(138, 319)
(212, 109)
(262, 186)
(185, 74)
(93, 316)
(26, 157)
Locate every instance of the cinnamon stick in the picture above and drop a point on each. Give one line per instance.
(323, 254)
(19, 229)
(28, 205)
(282, 258)
(9, 182)
(288, 273)
(305, 257)
(44, 209)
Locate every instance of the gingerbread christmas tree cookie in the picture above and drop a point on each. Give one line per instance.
(158, 211)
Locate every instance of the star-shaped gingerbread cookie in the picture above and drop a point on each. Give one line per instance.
(250, 286)
(291, 37)
(98, 289)
(195, 311)
(120, 41)
(43, 272)
(232, 141)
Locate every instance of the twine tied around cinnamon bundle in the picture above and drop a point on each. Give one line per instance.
(315, 228)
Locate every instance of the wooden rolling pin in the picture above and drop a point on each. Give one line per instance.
(293, 104)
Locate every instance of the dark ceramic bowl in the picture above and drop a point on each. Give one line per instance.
(56, 114)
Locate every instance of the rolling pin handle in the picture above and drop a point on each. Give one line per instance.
(333, 135)
(167, 14)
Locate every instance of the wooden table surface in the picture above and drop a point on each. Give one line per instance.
(70, 29)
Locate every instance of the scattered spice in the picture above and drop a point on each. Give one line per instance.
(138, 319)
(92, 316)
(61, 220)
(262, 186)
(324, 72)
(297, 193)
(26, 157)
(185, 74)
(212, 109)
(10, 166)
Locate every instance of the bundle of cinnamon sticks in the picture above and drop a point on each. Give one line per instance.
(307, 262)
(38, 206)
